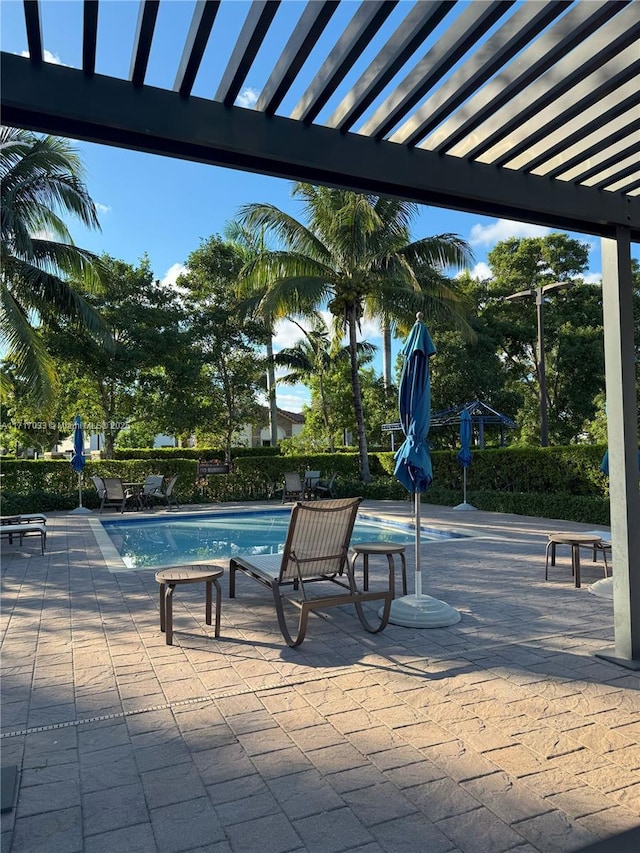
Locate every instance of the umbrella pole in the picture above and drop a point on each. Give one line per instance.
(417, 537)
(464, 485)
(79, 490)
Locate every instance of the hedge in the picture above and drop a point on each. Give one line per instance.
(192, 452)
(552, 482)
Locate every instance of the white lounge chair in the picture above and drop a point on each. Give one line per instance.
(24, 529)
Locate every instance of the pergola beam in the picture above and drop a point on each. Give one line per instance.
(55, 99)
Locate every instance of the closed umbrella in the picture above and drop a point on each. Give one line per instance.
(464, 455)
(77, 462)
(413, 469)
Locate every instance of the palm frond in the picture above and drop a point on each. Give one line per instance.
(26, 349)
(285, 228)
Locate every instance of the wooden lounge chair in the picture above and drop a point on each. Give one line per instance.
(316, 550)
(293, 489)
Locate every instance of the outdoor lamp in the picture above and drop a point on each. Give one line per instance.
(540, 293)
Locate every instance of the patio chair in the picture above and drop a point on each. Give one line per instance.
(98, 482)
(326, 488)
(151, 488)
(167, 495)
(311, 479)
(293, 489)
(115, 494)
(315, 551)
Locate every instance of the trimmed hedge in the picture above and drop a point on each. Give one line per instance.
(192, 452)
(47, 485)
(552, 482)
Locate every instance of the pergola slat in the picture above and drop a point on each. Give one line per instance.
(89, 35)
(34, 34)
(609, 156)
(583, 137)
(546, 120)
(519, 30)
(570, 31)
(580, 74)
(463, 33)
(147, 17)
(250, 40)
(423, 18)
(366, 22)
(195, 45)
(614, 174)
(312, 22)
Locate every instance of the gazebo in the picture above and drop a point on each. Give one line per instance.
(481, 415)
(527, 111)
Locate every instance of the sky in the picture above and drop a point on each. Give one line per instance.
(164, 207)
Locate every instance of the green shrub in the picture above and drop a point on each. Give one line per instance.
(192, 452)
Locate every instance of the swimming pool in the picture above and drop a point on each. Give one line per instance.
(179, 540)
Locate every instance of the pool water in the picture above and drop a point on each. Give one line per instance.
(179, 540)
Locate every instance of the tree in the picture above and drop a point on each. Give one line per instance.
(313, 361)
(573, 332)
(355, 254)
(149, 371)
(42, 179)
(231, 367)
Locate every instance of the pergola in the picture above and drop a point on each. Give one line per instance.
(524, 110)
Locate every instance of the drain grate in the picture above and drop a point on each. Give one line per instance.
(198, 700)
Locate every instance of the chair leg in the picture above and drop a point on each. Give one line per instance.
(403, 563)
(162, 609)
(168, 606)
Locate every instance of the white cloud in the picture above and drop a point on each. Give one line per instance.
(47, 56)
(592, 278)
(481, 271)
(247, 98)
(171, 275)
(503, 229)
(102, 208)
(286, 334)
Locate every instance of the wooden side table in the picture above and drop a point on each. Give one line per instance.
(575, 541)
(170, 578)
(387, 549)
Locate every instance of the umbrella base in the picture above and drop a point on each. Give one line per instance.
(465, 505)
(80, 510)
(603, 588)
(422, 611)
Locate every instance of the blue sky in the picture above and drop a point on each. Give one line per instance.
(163, 206)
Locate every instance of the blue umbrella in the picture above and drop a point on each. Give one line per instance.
(604, 465)
(465, 456)
(413, 461)
(77, 459)
(413, 469)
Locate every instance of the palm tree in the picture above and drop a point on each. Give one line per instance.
(250, 244)
(314, 356)
(354, 255)
(41, 176)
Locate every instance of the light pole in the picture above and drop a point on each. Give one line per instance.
(540, 292)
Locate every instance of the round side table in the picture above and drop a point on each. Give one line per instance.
(172, 577)
(576, 541)
(387, 549)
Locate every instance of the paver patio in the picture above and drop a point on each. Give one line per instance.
(501, 733)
